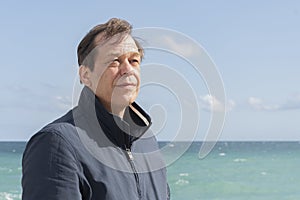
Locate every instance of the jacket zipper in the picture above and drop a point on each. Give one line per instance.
(136, 176)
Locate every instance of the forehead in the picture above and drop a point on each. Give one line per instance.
(117, 45)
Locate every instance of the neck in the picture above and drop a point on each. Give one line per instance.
(118, 111)
(114, 109)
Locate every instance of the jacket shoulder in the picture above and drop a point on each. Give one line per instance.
(54, 133)
(50, 164)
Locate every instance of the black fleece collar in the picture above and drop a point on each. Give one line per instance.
(121, 132)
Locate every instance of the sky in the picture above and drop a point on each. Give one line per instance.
(254, 46)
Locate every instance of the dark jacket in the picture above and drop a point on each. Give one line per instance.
(91, 154)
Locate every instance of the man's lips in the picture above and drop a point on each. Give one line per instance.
(127, 81)
(126, 85)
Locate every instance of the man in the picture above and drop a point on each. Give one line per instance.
(103, 148)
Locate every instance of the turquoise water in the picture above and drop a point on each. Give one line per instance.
(10, 170)
(238, 170)
(232, 171)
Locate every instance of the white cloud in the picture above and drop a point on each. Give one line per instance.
(63, 102)
(185, 49)
(211, 103)
(292, 102)
(254, 101)
(230, 105)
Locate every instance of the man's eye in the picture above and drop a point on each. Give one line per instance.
(116, 60)
(135, 61)
(114, 63)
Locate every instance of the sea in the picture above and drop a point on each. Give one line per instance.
(231, 171)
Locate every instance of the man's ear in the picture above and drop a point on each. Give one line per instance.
(85, 75)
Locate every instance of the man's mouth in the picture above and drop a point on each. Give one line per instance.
(126, 82)
(126, 85)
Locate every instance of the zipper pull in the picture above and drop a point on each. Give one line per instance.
(130, 156)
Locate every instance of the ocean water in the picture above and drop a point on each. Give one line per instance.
(10, 169)
(232, 171)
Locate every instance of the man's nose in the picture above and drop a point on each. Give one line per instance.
(125, 67)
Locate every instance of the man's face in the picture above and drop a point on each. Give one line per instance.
(116, 76)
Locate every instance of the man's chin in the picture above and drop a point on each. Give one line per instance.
(122, 101)
(124, 98)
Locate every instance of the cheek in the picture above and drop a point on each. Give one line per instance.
(94, 82)
(138, 75)
(109, 77)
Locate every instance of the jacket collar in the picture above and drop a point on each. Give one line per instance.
(121, 132)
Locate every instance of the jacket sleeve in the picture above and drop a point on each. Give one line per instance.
(49, 169)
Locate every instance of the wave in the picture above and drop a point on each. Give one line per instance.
(240, 160)
(9, 170)
(10, 196)
(182, 182)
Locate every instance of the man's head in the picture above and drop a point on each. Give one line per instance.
(109, 60)
(111, 28)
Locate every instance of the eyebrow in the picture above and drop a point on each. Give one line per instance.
(136, 53)
(114, 54)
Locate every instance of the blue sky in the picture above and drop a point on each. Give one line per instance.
(255, 46)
